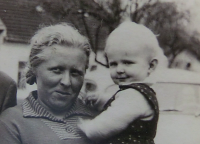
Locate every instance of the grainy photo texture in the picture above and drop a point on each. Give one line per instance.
(99, 72)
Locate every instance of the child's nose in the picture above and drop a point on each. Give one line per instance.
(120, 69)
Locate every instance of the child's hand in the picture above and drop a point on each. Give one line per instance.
(91, 99)
(95, 100)
(98, 99)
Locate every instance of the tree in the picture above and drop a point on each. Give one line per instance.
(164, 19)
(166, 22)
(90, 18)
(96, 19)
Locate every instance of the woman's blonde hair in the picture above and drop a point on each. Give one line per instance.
(59, 34)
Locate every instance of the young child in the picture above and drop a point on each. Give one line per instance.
(131, 114)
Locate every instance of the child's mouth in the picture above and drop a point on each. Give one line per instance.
(121, 78)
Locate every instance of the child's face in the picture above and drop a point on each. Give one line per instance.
(127, 66)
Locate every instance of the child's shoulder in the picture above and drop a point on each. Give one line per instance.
(136, 90)
(112, 88)
(130, 92)
(135, 85)
(140, 87)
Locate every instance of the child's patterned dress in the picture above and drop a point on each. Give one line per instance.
(139, 131)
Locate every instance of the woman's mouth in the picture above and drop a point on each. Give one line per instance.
(63, 93)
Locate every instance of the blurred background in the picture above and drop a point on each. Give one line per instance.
(174, 22)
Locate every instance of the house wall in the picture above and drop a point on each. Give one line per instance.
(10, 55)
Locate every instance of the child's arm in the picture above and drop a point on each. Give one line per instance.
(127, 107)
(97, 100)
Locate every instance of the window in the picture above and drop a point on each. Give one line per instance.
(21, 75)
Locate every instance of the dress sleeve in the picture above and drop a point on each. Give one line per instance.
(128, 106)
(8, 135)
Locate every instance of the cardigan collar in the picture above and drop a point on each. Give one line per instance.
(31, 108)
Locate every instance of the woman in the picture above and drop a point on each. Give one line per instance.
(58, 61)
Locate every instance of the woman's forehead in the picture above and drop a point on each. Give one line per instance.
(61, 49)
(57, 52)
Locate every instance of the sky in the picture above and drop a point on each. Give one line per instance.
(192, 5)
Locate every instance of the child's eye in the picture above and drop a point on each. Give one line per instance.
(113, 64)
(128, 62)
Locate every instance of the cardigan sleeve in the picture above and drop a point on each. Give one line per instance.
(10, 98)
(8, 135)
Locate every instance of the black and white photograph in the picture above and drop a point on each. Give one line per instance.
(99, 72)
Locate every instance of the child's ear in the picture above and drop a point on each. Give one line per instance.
(152, 65)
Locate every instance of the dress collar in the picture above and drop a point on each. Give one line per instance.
(31, 108)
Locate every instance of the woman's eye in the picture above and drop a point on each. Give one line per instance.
(56, 70)
(76, 73)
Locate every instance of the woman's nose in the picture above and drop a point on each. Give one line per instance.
(120, 69)
(65, 81)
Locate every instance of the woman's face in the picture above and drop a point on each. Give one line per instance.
(60, 77)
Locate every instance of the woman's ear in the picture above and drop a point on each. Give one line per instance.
(33, 72)
(152, 65)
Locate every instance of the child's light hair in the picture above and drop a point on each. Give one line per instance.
(60, 34)
(137, 37)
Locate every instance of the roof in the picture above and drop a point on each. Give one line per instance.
(23, 17)
(2, 26)
(20, 18)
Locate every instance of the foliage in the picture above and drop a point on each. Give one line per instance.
(166, 22)
(96, 19)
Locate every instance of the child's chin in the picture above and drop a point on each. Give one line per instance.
(123, 83)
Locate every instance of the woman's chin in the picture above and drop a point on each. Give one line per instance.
(59, 105)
